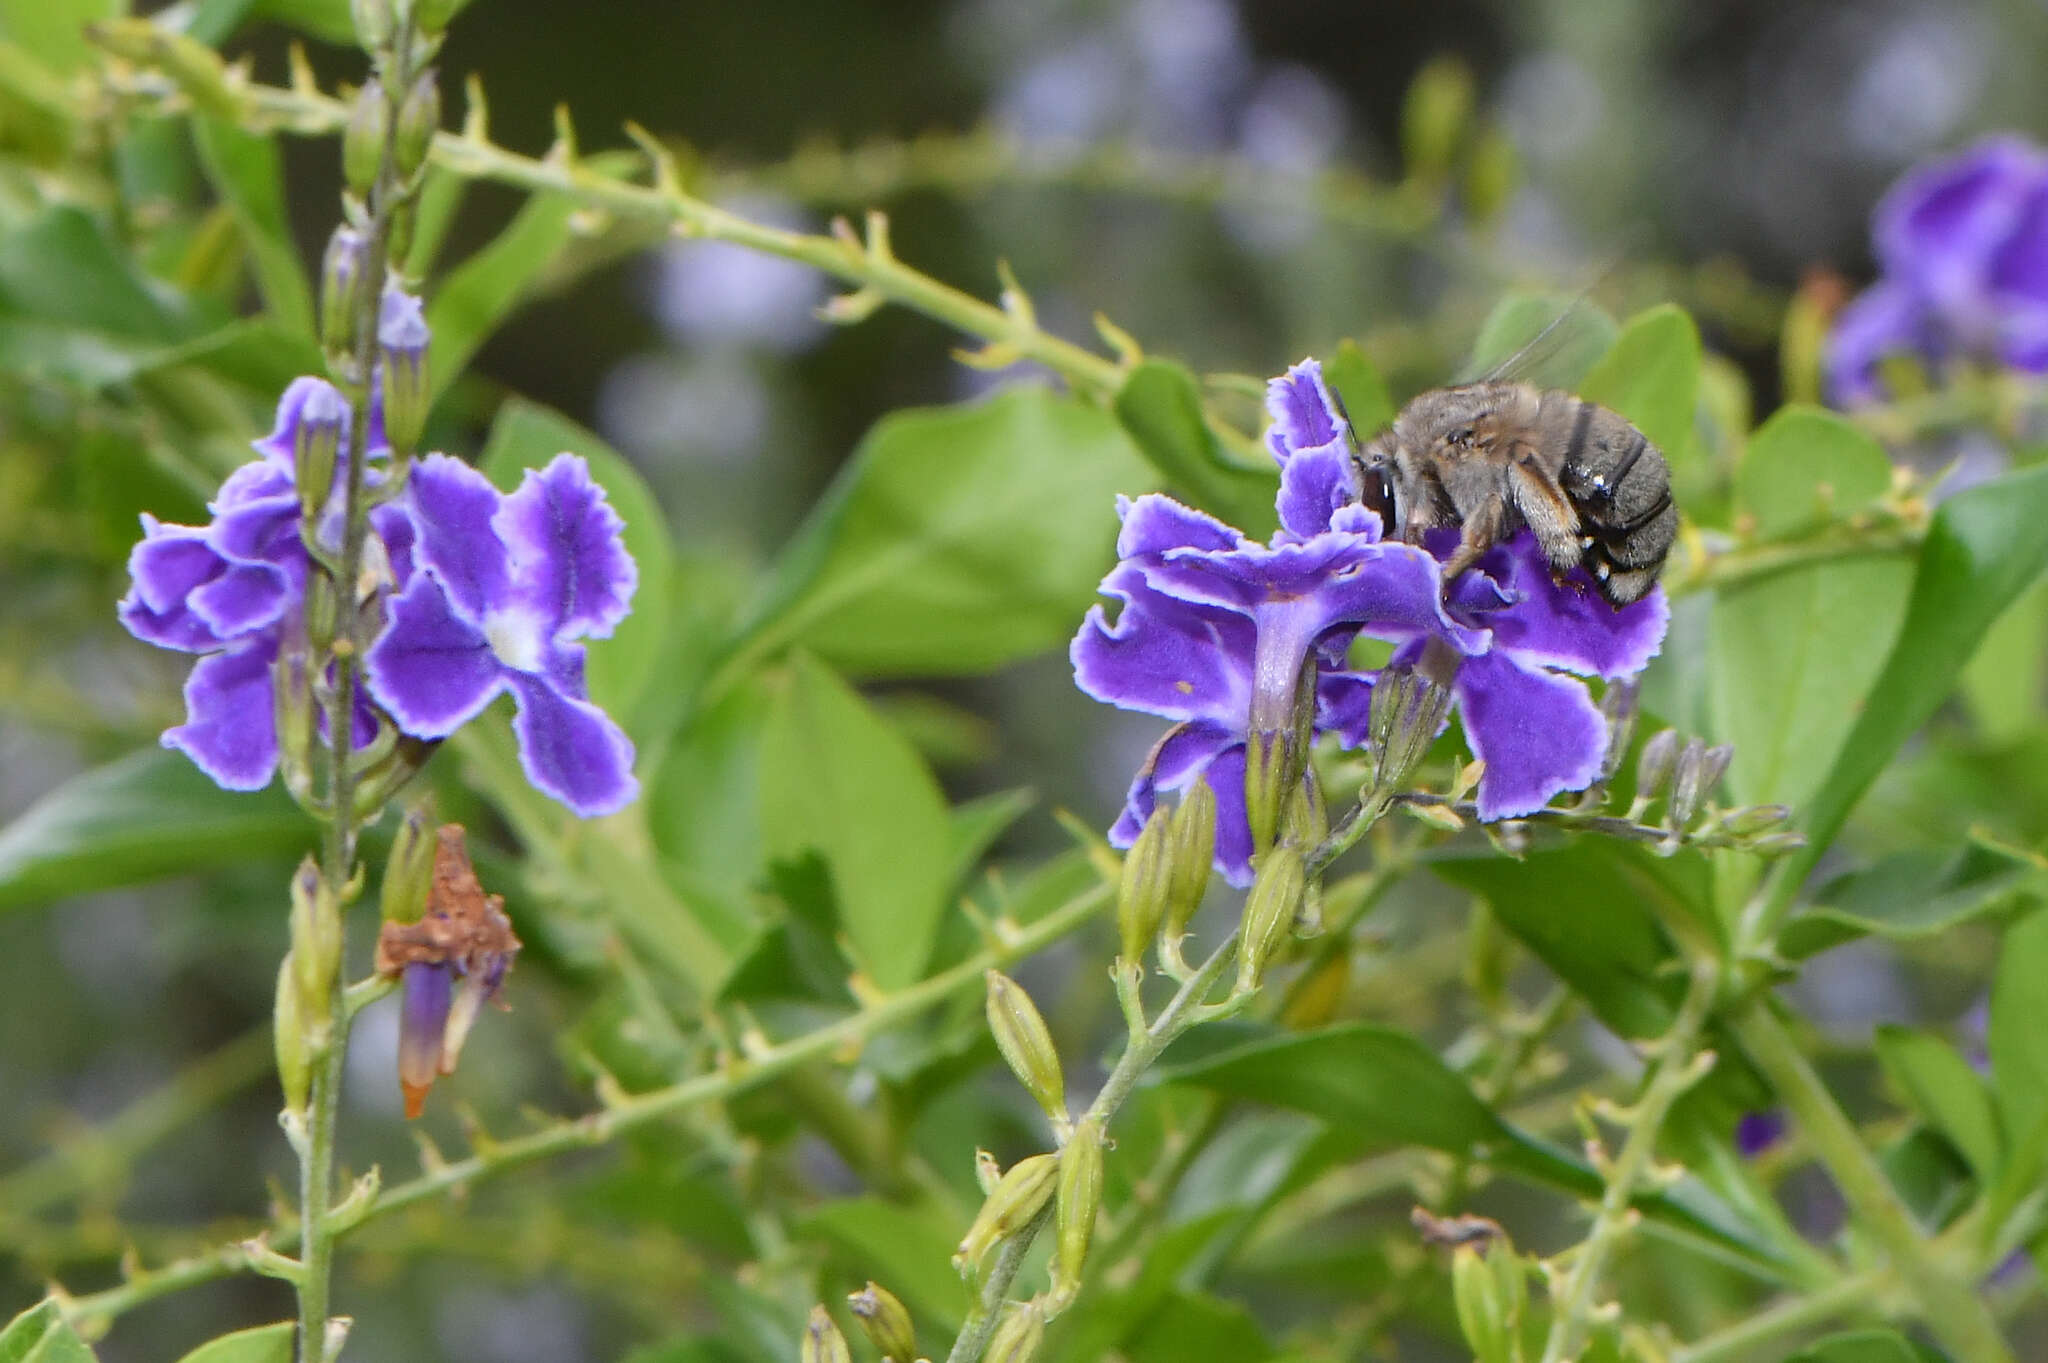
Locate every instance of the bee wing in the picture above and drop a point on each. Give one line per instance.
(1549, 340)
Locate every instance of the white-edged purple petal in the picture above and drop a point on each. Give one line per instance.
(432, 670)
(165, 567)
(1186, 753)
(568, 560)
(1314, 485)
(1538, 733)
(1569, 625)
(245, 598)
(1163, 656)
(1155, 523)
(230, 728)
(572, 750)
(1885, 319)
(1344, 705)
(1305, 414)
(453, 509)
(1939, 227)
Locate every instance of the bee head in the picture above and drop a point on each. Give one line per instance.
(1373, 467)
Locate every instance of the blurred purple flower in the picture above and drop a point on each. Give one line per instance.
(509, 584)
(1756, 1132)
(1963, 246)
(1214, 629)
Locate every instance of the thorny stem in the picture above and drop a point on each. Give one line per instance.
(1942, 1289)
(598, 1127)
(1679, 1067)
(1183, 1011)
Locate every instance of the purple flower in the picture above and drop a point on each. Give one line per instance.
(1963, 245)
(1756, 1132)
(1213, 631)
(233, 591)
(508, 584)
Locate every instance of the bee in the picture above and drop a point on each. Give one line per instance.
(1496, 455)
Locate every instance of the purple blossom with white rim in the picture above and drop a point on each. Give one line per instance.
(506, 586)
(1212, 634)
(233, 591)
(1963, 245)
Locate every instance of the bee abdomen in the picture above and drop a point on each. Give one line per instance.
(1620, 487)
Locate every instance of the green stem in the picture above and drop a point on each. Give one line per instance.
(1677, 1070)
(1790, 1316)
(596, 1128)
(1947, 1299)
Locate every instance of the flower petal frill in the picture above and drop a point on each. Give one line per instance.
(508, 584)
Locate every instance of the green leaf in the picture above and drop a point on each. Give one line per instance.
(150, 814)
(837, 780)
(1792, 657)
(59, 267)
(40, 1335)
(957, 539)
(327, 20)
(1361, 388)
(1984, 548)
(1867, 1346)
(1553, 340)
(909, 1250)
(2018, 1036)
(247, 171)
(484, 289)
(978, 823)
(1580, 908)
(1806, 466)
(1160, 406)
(259, 1344)
(527, 435)
(1386, 1088)
(53, 31)
(1947, 1093)
(2008, 675)
(1911, 894)
(1651, 375)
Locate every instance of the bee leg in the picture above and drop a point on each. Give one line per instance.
(1547, 510)
(1475, 537)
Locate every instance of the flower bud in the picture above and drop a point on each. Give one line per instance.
(402, 349)
(362, 141)
(288, 1036)
(1409, 708)
(1267, 767)
(344, 274)
(1436, 118)
(1019, 1196)
(316, 944)
(375, 23)
(316, 444)
(1482, 1314)
(822, 1341)
(409, 872)
(1697, 771)
(1653, 768)
(1268, 912)
(1191, 856)
(1618, 707)
(987, 1173)
(1017, 1338)
(419, 118)
(292, 688)
(427, 993)
(1749, 820)
(1078, 1200)
(885, 1321)
(1146, 885)
(1022, 1037)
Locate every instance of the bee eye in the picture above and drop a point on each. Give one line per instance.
(1462, 436)
(1375, 492)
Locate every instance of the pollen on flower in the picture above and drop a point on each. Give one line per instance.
(515, 639)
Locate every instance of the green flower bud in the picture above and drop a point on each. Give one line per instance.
(1267, 766)
(409, 873)
(1436, 116)
(362, 141)
(1409, 707)
(288, 1036)
(1142, 893)
(1017, 1338)
(885, 1321)
(419, 118)
(1493, 170)
(1191, 857)
(822, 1341)
(1482, 1314)
(1269, 912)
(344, 276)
(1697, 771)
(1019, 1196)
(1749, 820)
(292, 687)
(316, 944)
(1653, 768)
(375, 23)
(987, 1173)
(1078, 1200)
(1022, 1037)
(402, 354)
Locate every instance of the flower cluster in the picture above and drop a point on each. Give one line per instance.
(472, 592)
(1214, 632)
(1963, 246)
